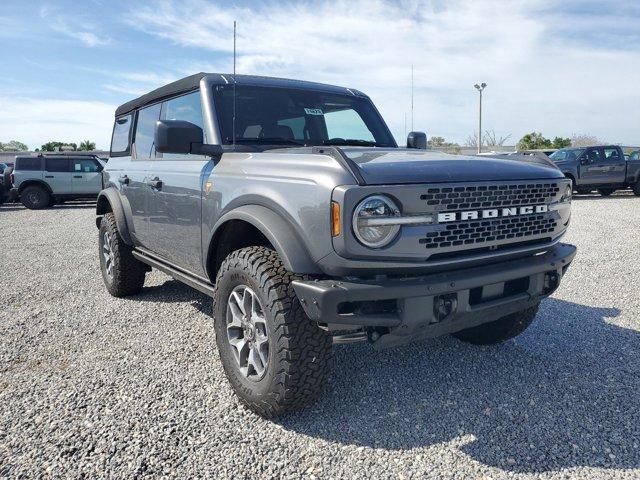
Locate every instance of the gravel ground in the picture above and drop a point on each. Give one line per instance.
(92, 386)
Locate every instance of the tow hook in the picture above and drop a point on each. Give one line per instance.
(551, 282)
(444, 306)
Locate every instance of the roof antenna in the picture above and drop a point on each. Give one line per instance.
(412, 97)
(233, 128)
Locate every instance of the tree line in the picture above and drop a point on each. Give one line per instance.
(17, 146)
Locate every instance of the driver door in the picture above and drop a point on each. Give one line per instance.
(593, 167)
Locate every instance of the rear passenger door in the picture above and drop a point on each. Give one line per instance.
(86, 176)
(175, 220)
(58, 175)
(616, 164)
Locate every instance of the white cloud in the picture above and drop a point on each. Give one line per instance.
(35, 121)
(74, 27)
(544, 68)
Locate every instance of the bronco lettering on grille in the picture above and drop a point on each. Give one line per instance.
(491, 213)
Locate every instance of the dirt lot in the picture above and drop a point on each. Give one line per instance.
(100, 387)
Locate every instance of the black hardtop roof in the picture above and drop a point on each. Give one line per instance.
(58, 155)
(192, 82)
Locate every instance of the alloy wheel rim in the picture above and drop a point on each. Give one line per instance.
(247, 332)
(107, 253)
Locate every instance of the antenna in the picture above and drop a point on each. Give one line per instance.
(233, 127)
(412, 97)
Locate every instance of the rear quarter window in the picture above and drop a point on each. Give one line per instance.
(121, 136)
(28, 163)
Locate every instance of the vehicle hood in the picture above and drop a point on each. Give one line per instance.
(386, 166)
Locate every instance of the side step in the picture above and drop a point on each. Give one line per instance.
(193, 281)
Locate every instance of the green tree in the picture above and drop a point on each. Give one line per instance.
(13, 146)
(55, 146)
(533, 141)
(560, 142)
(436, 142)
(87, 145)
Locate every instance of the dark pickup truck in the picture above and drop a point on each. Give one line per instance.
(601, 168)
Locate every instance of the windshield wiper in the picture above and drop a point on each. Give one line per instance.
(349, 141)
(270, 141)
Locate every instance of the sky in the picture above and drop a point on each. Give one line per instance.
(556, 67)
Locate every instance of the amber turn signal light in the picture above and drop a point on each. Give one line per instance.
(335, 219)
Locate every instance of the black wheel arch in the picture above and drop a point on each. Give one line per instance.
(35, 183)
(109, 201)
(256, 225)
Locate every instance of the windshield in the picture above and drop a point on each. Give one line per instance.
(283, 116)
(571, 154)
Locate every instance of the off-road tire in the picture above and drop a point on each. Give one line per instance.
(35, 198)
(127, 273)
(636, 189)
(299, 355)
(500, 330)
(605, 192)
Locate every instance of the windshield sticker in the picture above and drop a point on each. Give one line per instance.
(313, 111)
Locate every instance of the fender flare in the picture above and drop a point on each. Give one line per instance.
(112, 197)
(280, 233)
(34, 182)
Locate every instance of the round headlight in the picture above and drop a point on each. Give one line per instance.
(373, 221)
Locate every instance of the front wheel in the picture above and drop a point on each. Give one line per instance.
(605, 192)
(275, 358)
(499, 330)
(122, 273)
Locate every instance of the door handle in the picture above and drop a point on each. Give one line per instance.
(49, 176)
(123, 180)
(155, 183)
(77, 176)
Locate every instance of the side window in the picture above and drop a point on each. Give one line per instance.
(592, 156)
(347, 124)
(634, 156)
(186, 107)
(120, 138)
(612, 155)
(56, 164)
(145, 130)
(30, 164)
(81, 165)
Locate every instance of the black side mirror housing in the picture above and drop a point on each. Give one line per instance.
(179, 136)
(417, 140)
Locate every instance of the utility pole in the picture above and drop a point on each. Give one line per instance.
(480, 88)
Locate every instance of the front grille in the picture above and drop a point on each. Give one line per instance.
(489, 196)
(482, 231)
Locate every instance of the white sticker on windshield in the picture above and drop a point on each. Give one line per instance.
(313, 111)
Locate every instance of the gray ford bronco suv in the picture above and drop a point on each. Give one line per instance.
(290, 203)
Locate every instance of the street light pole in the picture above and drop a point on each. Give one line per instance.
(480, 88)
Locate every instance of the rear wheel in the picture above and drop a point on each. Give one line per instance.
(35, 198)
(500, 330)
(275, 357)
(122, 274)
(605, 192)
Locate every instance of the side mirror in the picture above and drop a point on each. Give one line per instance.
(179, 136)
(417, 140)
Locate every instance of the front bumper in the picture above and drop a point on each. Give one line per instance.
(410, 309)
